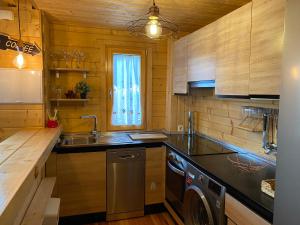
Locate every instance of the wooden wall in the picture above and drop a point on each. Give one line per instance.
(46, 60)
(17, 116)
(93, 42)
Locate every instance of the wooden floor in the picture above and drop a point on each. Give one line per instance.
(154, 219)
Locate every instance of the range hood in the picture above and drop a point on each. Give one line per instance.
(202, 84)
(265, 97)
(212, 84)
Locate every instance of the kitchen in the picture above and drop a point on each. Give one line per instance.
(152, 112)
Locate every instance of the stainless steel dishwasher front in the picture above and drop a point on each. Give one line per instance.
(125, 183)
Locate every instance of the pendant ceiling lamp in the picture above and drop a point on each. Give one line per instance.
(153, 25)
(19, 60)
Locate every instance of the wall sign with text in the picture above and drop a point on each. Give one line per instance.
(9, 43)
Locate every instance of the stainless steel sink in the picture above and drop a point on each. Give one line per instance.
(79, 140)
(90, 140)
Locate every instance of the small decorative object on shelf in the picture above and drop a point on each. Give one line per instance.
(68, 59)
(70, 94)
(79, 58)
(52, 120)
(58, 92)
(54, 59)
(82, 88)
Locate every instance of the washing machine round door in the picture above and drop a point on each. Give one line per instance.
(196, 208)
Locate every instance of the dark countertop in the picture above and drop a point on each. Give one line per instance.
(245, 186)
(196, 145)
(109, 143)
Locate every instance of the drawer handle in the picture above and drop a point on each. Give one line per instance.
(127, 157)
(36, 172)
(176, 170)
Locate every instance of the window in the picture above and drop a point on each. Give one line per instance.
(126, 89)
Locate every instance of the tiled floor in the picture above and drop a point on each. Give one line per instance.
(154, 219)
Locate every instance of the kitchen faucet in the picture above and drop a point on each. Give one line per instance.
(190, 123)
(94, 131)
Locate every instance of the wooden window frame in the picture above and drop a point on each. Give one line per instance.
(145, 64)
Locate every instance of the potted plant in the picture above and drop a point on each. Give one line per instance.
(82, 88)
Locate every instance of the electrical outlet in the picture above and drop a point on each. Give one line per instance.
(180, 128)
(6, 15)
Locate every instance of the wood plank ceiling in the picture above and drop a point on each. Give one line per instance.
(190, 15)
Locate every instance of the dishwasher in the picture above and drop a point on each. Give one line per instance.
(125, 183)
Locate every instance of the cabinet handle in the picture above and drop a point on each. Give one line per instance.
(36, 172)
(176, 170)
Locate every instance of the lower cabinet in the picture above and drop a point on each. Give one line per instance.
(155, 175)
(81, 182)
(239, 214)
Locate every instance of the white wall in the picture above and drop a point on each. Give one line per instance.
(287, 199)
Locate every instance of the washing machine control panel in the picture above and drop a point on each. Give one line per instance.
(198, 178)
(189, 178)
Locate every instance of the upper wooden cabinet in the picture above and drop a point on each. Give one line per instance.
(242, 51)
(179, 65)
(233, 52)
(202, 54)
(266, 46)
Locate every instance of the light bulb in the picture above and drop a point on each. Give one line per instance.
(153, 28)
(19, 60)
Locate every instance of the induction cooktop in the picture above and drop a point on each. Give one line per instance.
(196, 145)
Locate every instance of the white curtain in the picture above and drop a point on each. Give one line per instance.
(127, 110)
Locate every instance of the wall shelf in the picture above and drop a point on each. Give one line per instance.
(68, 100)
(76, 70)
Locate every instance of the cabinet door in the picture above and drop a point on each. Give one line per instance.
(240, 214)
(51, 170)
(179, 65)
(266, 46)
(230, 222)
(233, 52)
(155, 175)
(81, 179)
(202, 53)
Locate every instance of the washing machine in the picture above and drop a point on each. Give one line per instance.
(204, 199)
